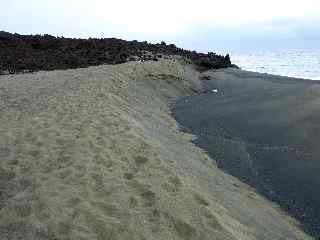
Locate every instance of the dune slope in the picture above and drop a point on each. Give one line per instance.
(95, 154)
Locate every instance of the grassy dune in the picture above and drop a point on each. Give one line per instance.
(95, 154)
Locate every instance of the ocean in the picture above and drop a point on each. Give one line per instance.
(299, 63)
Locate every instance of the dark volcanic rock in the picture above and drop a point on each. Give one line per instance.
(5, 35)
(19, 53)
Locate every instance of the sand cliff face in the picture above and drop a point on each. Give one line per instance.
(95, 154)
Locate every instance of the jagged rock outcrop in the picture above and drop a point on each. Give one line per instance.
(44, 52)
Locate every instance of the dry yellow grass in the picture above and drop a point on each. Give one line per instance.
(94, 154)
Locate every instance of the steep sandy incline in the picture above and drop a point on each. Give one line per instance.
(94, 154)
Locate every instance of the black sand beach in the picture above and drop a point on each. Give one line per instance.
(264, 130)
(94, 153)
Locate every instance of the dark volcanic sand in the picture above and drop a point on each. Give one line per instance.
(264, 130)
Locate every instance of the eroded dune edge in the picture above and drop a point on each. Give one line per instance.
(95, 154)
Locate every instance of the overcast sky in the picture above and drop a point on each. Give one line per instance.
(197, 24)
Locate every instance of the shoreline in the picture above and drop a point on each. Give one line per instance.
(281, 76)
(252, 73)
(298, 63)
(262, 129)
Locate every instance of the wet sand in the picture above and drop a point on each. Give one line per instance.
(265, 130)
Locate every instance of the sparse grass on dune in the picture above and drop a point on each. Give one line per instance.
(95, 154)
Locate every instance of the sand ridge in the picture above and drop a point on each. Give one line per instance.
(95, 154)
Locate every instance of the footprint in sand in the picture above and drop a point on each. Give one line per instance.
(140, 160)
(147, 196)
(173, 185)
